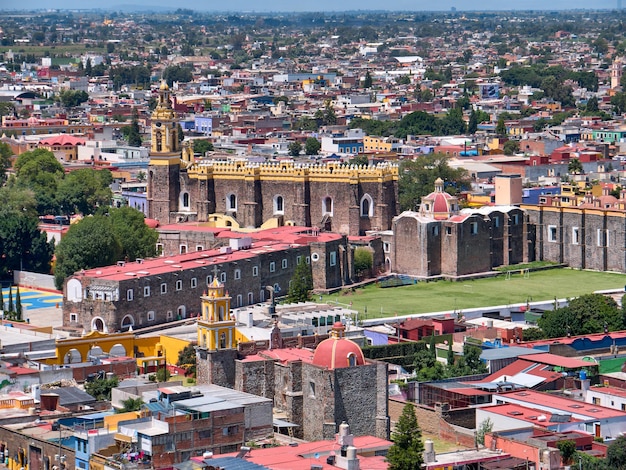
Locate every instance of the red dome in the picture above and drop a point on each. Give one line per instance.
(152, 223)
(337, 352)
(440, 201)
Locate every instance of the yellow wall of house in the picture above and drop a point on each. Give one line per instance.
(111, 421)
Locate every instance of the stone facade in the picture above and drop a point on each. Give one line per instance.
(332, 197)
(454, 243)
(581, 237)
(318, 399)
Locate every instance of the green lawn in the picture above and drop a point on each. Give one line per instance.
(438, 296)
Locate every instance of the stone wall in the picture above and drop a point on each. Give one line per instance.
(452, 425)
(581, 238)
(176, 295)
(256, 188)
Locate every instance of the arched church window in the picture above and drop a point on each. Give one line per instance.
(351, 360)
(327, 206)
(279, 204)
(231, 202)
(159, 145)
(367, 206)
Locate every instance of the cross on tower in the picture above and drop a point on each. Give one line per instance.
(215, 271)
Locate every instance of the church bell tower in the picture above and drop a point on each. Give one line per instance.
(165, 160)
(217, 350)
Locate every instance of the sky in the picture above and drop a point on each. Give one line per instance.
(319, 5)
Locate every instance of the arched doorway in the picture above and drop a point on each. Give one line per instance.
(73, 356)
(117, 350)
(97, 324)
(127, 322)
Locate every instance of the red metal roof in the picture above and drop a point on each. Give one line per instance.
(63, 139)
(303, 455)
(556, 360)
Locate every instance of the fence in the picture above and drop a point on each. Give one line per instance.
(36, 280)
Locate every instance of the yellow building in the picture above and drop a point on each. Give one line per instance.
(148, 351)
(379, 144)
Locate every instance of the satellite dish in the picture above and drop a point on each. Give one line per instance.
(316, 455)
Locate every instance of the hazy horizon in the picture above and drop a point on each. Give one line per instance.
(285, 6)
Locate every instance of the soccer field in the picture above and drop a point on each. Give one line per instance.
(438, 296)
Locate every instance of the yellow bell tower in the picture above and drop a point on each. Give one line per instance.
(216, 329)
(164, 142)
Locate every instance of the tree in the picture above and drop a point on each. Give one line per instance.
(18, 305)
(618, 100)
(7, 109)
(363, 262)
(426, 365)
(83, 191)
(202, 146)
(616, 454)
(406, 451)
(163, 374)
(176, 73)
(327, 115)
(584, 315)
(136, 238)
(575, 167)
(486, 426)
(100, 388)
(295, 148)
(469, 363)
(367, 82)
(40, 171)
(187, 359)
(11, 307)
(133, 135)
(360, 160)
(501, 127)
(5, 161)
(301, 283)
(417, 179)
(472, 125)
(450, 358)
(312, 146)
(592, 105)
(130, 404)
(72, 98)
(511, 147)
(22, 244)
(568, 450)
(88, 244)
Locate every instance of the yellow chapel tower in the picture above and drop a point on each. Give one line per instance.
(216, 329)
(216, 352)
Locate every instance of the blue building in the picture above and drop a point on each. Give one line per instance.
(203, 125)
(532, 195)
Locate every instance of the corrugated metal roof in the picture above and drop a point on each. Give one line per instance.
(233, 463)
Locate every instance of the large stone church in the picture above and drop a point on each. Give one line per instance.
(347, 199)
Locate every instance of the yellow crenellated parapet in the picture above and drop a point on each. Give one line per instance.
(296, 171)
